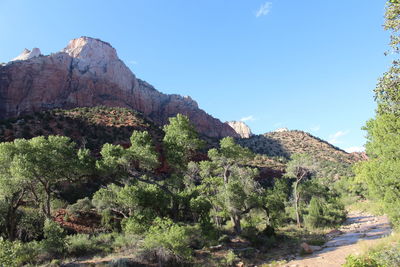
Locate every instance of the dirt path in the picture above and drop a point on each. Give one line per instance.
(359, 226)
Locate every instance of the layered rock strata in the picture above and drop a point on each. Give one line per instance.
(89, 73)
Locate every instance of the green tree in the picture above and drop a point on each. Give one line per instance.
(136, 204)
(168, 241)
(46, 162)
(13, 187)
(230, 187)
(300, 167)
(181, 140)
(381, 171)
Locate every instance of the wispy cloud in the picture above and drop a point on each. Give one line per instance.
(264, 9)
(133, 62)
(248, 118)
(315, 128)
(355, 149)
(334, 138)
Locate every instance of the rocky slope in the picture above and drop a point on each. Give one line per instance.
(286, 143)
(240, 128)
(89, 73)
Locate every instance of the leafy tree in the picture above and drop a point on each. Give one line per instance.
(13, 187)
(54, 242)
(136, 163)
(181, 140)
(136, 204)
(168, 241)
(274, 201)
(380, 173)
(230, 187)
(46, 162)
(300, 167)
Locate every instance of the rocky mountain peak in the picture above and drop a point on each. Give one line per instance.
(91, 49)
(240, 128)
(28, 54)
(88, 73)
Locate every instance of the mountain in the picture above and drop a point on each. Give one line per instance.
(88, 73)
(284, 143)
(240, 128)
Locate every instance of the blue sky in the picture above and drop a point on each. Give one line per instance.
(310, 65)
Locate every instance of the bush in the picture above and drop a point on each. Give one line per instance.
(138, 223)
(322, 213)
(230, 258)
(167, 241)
(385, 256)
(81, 207)
(125, 241)
(7, 253)
(80, 245)
(30, 225)
(28, 253)
(83, 244)
(54, 242)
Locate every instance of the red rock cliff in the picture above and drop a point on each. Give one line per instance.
(89, 73)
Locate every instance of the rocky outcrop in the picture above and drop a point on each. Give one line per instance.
(27, 54)
(281, 130)
(240, 128)
(89, 73)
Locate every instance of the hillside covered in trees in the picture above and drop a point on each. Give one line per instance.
(63, 200)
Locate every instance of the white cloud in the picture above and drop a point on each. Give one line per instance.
(248, 118)
(133, 62)
(355, 149)
(334, 138)
(264, 9)
(315, 128)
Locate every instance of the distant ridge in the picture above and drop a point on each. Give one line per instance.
(286, 143)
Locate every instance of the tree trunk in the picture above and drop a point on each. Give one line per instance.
(47, 204)
(236, 223)
(11, 223)
(296, 204)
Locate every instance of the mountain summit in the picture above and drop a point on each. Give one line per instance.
(89, 73)
(241, 128)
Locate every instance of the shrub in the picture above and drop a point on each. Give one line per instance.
(54, 242)
(125, 241)
(383, 255)
(80, 245)
(7, 253)
(57, 204)
(167, 241)
(81, 207)
(28, 253)
(30, 225)
(230, 258)
(137, 224)
(83, 244)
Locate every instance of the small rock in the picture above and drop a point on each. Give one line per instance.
(306, 248)
(240, 264)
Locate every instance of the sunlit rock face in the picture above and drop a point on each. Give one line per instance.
(89, 73)
(241, 128)
(28, 54)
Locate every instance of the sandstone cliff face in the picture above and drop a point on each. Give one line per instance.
(89, 73)
(240, 128)
(27, 54)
